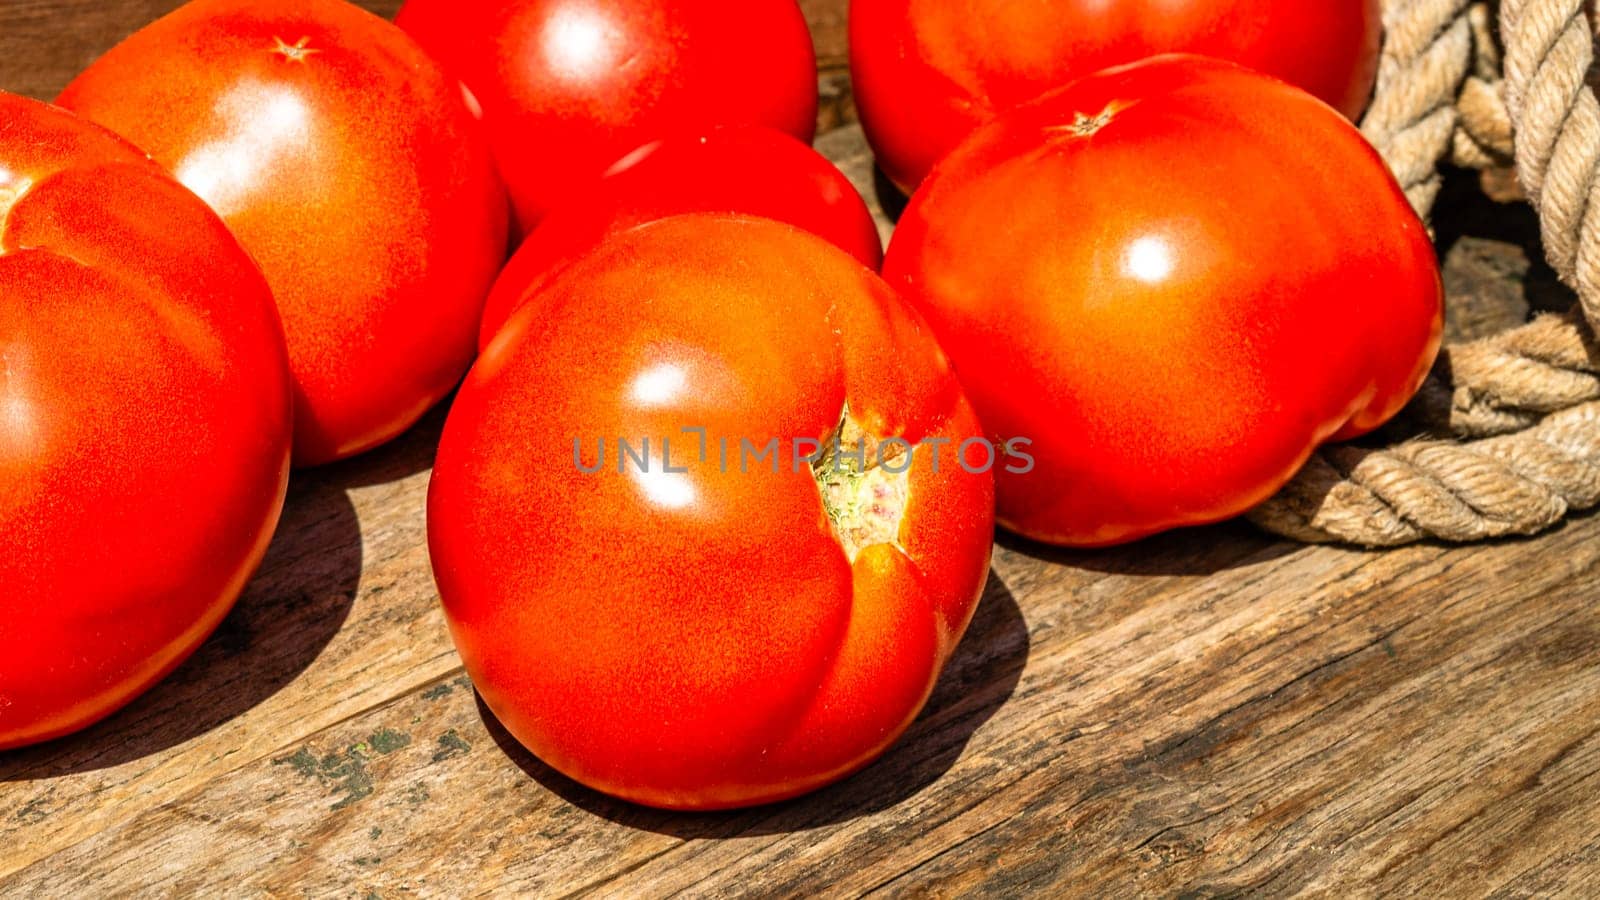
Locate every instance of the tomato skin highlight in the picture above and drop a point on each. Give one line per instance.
(1176, 278)
(928, 72)
(145, 415)
(751, 170)
(701, 639)
(568, 87)
(351, 168)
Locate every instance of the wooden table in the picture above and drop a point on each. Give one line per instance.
(1206, 712)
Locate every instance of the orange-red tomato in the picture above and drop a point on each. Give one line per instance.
(568, 87)
(711, 621)
(1175, 279)
(144, 422)
(927, 72)
(352, 170)
(752, 170)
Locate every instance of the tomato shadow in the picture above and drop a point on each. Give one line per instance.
(413, 451)
(979, 678)
(890, 198)
(1201, 551)
(291, 609)
(1464, 210)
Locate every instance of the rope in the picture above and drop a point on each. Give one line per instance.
(1412, 118)
(1530, 397)
(1483, 136)
(1511, 381)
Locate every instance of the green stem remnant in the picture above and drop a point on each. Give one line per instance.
(863, 498)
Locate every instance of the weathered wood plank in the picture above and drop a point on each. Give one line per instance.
(341, 617)
(1206, 712)
(1210, 713)
(829, 20)
(390, 786)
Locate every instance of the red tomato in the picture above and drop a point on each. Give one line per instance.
(752, 170)
(1175, 279)
(144, 422)
(569, 87)
(350, 167)
(707, 634)
(927, 72)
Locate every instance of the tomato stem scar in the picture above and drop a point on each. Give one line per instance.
(296, 52)
(1084, 125)
(865, 499)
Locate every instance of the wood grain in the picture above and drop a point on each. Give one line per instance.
(1209, 712)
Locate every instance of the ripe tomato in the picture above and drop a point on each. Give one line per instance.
(350, 167)
(144, 422)
(720, 621)
(569, 87)
(1176, 279)
(927, 72)
(752, 170)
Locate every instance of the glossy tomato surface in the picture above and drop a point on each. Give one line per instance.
(1176, 279)
(350, 167)
(568, 87)
(144, 422)
(927, 72)
(727, 622)
(752, 170)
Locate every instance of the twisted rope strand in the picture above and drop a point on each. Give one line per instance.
(1483, 136)
(1412, 118)
(1512, 380)
(1548, 51)
(1519, 483)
